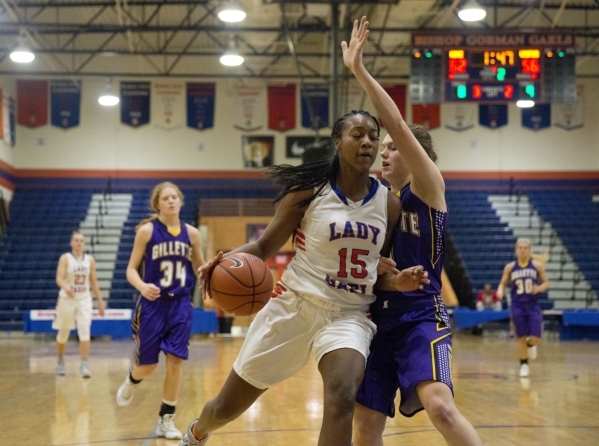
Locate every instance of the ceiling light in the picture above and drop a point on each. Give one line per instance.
(231, 13)
(108, 98)
(525, 103)
(22, 53)
(472, 12)
(231, 57)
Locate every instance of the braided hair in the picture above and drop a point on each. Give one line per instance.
(314, 175)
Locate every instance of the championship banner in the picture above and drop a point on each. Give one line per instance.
(65, 103)
(257, 150)
(281, 107)
(32, 103)
(200, 105)
(427, 115)
(8, 120)
(569, 116)
(135, 103)
(537, 117)
(353, 97)
(315, 106)
(249, 106)
(459, 117)
(398, 94)
(492, 116)
(167, 104)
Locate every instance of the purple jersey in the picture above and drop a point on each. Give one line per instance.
(419, 240)
(522, 279)
(167, 262)
(413, 339)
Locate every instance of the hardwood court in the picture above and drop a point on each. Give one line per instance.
(557, 406)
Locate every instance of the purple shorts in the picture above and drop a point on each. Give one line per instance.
(410, 347)
(527, 321)
(161, 325)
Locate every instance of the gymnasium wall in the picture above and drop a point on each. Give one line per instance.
(7, 152)
(102, 144)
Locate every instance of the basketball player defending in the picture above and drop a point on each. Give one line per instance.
(526, 278)
(75, 274)
(342, 219)
(171, 252)
(411, 350)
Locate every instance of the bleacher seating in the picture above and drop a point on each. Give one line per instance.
(38, 233)
(484, 243)
(574, 217)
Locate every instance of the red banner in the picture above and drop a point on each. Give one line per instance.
(32, 103)
(281, 107)
(428, 116)
(398, 94)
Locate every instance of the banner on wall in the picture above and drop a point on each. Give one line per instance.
(569, 116)
(65, 103)
(257, 151)
(135, 103)
(8, 120)
(537, 117)
(398, 94)
(32, 103)
(492, 115)
(167, 106)
(427, 115)
(315, 106)
(281, 107)
(249, 106)
(296, 146)
(459, 117)
(200, 105)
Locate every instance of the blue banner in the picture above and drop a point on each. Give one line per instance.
(65, 103)
(537, 117)
(492, 116)
(135, 103)
(200, 105)
(315, 106)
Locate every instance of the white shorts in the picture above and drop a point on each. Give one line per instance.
(284, 333)
(71, 310)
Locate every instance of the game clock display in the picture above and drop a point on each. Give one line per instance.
(492, 75)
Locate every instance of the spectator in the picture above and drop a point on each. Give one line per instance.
(487, 298)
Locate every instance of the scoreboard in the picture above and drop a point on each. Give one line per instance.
(492, 67)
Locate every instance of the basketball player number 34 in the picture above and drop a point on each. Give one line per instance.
(166, 266)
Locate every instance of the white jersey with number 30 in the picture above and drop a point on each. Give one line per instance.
(78, 270)
(338, 244)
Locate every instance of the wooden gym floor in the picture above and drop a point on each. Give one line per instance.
(558, 405)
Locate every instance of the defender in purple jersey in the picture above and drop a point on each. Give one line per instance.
(168, 252)
(526, 278)
(411, 350)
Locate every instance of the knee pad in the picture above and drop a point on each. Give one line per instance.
(63, 336)
(84, 333)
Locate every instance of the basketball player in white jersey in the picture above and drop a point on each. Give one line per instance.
(75, 274)
(341, 220)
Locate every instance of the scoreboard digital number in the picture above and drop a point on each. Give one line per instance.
(493, 75)
(492, 67)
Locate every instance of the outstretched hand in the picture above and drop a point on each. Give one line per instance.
(386, 266)
(204, 273)
(352, 53)
(410, 279)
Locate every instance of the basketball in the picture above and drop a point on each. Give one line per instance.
(241, 284)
